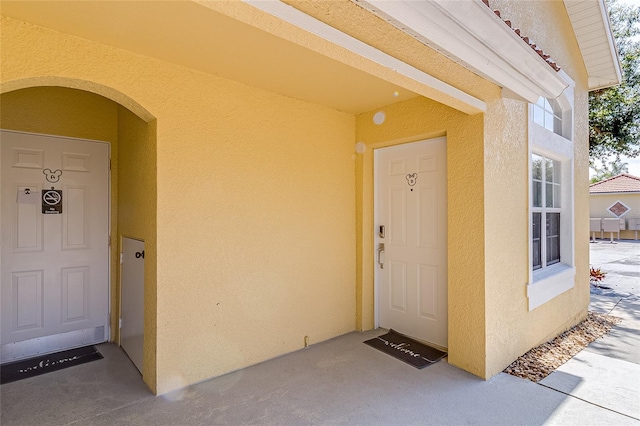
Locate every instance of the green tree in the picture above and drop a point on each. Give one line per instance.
(614, 112)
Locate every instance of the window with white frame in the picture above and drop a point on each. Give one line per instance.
(545, 211)
(548, 114)
(551, 218)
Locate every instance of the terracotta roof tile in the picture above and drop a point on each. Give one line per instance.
(621, 183)
(527, 40)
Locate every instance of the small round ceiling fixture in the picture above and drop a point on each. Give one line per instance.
(379, 117)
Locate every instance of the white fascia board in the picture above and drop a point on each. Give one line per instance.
(597, 83)
(472, 33)
(291, 15)
(594, 82)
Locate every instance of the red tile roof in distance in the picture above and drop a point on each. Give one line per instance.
(527, 40)
(621, 183)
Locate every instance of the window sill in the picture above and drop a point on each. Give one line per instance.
(549, 283)
(549, 132)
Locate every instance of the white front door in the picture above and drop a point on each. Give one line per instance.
(55, 253)
(411, 239)
(132, 300)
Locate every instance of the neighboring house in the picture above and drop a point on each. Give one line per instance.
(265, 185)
(617, 197)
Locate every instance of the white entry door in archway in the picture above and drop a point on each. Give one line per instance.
(411, 239)
(55, 244)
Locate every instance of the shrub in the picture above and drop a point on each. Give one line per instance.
(596, 276)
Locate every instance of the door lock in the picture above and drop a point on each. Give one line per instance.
(140, 254)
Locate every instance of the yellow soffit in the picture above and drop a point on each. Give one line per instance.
(330, 42)
(265, 44)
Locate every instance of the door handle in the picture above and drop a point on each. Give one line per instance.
(380, 251)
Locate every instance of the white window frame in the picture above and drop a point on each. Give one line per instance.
(547, 283)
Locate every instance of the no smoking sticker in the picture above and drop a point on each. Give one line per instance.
(51, 201)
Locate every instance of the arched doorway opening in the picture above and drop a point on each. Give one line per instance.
(82, 111)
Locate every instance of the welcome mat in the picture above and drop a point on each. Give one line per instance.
(18, 370)
(406, 349)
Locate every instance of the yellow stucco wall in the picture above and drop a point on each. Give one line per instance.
(511, 328)
(255, 230)
(600, 203)
(255, 200)
(74, 113)
(414, 120)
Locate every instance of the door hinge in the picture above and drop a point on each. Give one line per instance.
(121, 258)
(119, 322)
(109, 164)
(109, 241)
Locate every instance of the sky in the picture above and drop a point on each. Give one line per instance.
(634, 166)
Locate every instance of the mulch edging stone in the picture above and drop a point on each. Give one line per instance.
(542, 360)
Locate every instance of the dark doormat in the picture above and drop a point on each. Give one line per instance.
(406, 349)
(18, 370)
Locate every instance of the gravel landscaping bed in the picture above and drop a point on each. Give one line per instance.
(540, 361)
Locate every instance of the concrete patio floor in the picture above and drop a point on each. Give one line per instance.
(343, 381)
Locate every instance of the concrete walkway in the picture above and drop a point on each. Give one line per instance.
(607, 372)
(621, 262)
